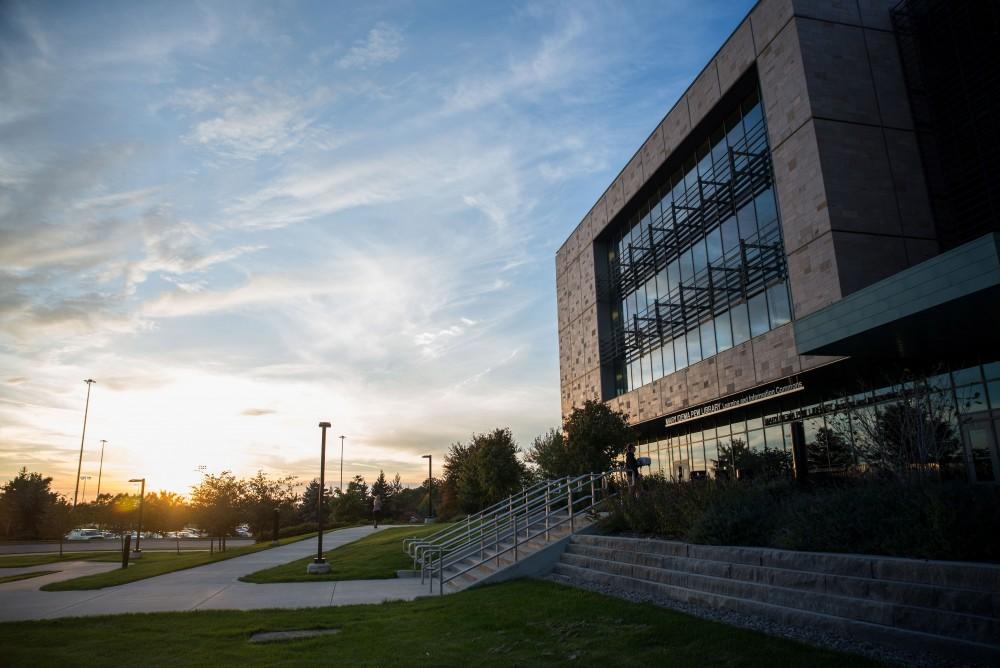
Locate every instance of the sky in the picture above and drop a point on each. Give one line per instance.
(244, 218)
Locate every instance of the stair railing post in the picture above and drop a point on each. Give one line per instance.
(496, 542)
(547, 511)
(569, 496)
(515, 539)
(593, 491)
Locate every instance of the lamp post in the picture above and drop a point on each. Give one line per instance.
(83, 496)
(101, 469)
(430, 486)
(319, 565)
(342, 464)
(79, 461)
(136, 553)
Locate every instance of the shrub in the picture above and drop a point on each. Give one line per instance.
(916, 518)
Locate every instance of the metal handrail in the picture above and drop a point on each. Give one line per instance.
(533, 513)
(439, 535)
(522, 506)
(513, 547)
(415, 546)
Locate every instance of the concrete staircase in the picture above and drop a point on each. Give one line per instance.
(534, 557)
(947, 608)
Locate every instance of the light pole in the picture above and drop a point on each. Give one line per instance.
(430, 486)
(138, 534)
(319, 565)
(83, 497)
(101, 469)
(342, 464)
(79, 462)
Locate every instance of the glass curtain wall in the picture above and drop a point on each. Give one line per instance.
(700, 268)
(848, 431)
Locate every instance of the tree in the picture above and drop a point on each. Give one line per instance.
(381, 486)
(550, 454)
(23, 504)
(216, 503)
(596, 435)
(481, 472)
(355, 502)
(262, 495)
(493, 471)
(307, 508)
(164, 511)
(57, 521)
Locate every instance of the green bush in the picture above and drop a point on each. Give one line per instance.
(922, 519)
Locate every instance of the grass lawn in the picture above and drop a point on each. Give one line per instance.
(22, 560)
(374, 557)
(157, 563)
(23, 576)
(522, 623)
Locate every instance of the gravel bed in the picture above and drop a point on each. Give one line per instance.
(809, 636)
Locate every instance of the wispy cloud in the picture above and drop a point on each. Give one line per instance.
(384, 44)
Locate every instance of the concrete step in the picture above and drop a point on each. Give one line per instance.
(914, 641)
(969, 627)
(963, 601)
(949, 574)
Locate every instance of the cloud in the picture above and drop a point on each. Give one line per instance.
(551, 66)
(254, 412)
(384, 44)
(254, 120)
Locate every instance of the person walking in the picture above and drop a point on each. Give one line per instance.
(376, 509)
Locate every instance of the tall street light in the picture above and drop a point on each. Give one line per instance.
(83, 497)
(319, 565)
(342, 437)
(430, 485)
(101, 469)
(79, 462)
(138, 534)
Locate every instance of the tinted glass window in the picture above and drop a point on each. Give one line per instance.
(741, 324)
(723, 332)
(777, 305)
(758, 315)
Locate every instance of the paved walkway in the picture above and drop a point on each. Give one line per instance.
(210, 587)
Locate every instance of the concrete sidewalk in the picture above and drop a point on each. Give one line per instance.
(210, 587)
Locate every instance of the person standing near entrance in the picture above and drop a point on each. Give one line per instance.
(376, 509)
(631, 467)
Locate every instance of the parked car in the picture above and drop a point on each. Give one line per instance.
(85, 534)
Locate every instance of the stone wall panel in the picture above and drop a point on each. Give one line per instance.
(736, 369)
(735, 56)
(703, 381)
(813, 275)
(767, 19)
(783, 85)
(799, 187)
(704, 93)
(774, 354)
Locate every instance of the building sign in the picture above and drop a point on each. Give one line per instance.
(730, 404)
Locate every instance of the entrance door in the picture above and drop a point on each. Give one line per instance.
(981, 450)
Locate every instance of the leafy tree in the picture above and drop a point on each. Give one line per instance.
(24, 502)
(455, 463)
(57, 521)
(164, 511)
(261, 495)
(596, 435)
(493, 471)
(216, 503)
(551, 455)
(481, 472)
